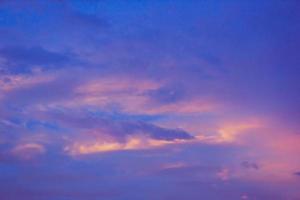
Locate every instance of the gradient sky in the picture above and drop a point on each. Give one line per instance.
(149, 100)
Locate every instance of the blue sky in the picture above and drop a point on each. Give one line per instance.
(149, 100)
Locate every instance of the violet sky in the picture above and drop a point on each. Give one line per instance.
(149, 100)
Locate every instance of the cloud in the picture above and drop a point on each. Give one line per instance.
(28, 151)
(187, 170)
(166, 95)
(20, 59)
(131, 143)
(35, 88)
(223, 174)
(233, 131)
(153, 131)
(297, 173)
(249, 165)
(117, 135)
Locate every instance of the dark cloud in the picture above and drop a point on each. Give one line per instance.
(119, 129)
(20, 59)
(249, 165)
(153, 131)
(189, 171)
(297, 173)
(167, 95)
(49, 91)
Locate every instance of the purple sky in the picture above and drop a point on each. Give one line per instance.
(152, 100)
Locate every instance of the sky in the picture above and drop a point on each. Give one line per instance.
(149, 99)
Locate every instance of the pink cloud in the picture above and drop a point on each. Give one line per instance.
(28, 151)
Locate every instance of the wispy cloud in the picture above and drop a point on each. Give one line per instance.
(175, 99)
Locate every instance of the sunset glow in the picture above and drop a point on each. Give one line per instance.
(149, 100)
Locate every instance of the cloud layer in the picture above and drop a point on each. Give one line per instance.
(149, 100)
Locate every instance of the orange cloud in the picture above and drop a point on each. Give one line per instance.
(132, 143)
(230, 132)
